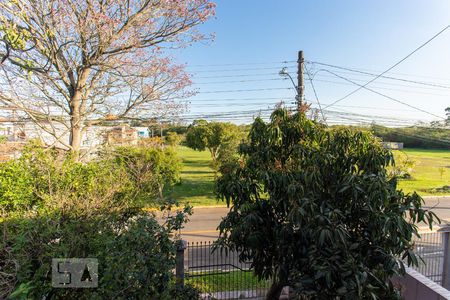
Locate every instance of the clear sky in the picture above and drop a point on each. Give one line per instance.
(254, 37)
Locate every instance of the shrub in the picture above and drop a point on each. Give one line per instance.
(403, 166)
(173, 139)
(69, 209)
(16, 186)
(150, 169)
(135, 254)
(137, 174)
(315, 209)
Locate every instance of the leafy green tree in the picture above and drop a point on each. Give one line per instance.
(315, 209)
(217, 137)
(173, 139)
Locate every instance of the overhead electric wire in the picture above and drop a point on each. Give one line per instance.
(416, 75)
(235, 70)
(384, 88)
(246, 90)
(392, 67)
(389, 82)
(236, 75)
(381, 94)
(240, 81)
(238, 99)
(371, 107)
(315, 93)
(244, 64)
(334, 82)
(386, 77)
(348, 115)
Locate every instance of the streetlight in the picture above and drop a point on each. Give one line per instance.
(284, 73)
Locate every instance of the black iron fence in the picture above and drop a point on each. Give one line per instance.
(219, 274)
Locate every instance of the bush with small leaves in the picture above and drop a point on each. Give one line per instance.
(68, 209)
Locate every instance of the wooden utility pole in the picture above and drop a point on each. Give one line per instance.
(300, 83)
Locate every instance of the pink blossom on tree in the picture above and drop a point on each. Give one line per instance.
(82, 60)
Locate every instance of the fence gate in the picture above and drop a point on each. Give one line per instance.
(220, 275)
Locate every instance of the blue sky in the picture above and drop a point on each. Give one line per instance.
(254, 37)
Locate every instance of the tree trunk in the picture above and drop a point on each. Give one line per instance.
(274, 291)
(75, 126)
(75, 138)
(76, 111)
(213, 154)
(279, 282)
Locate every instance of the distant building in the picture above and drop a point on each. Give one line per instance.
(18, 132)
(122, 135)
(393, 145)
(143, 132)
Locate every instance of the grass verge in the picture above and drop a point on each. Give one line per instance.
(431, 171)
(197, 179)
(197, 176)
(228, 281)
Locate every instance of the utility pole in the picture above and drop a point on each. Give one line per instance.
(300, 84)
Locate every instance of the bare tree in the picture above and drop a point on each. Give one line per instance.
(74, 62)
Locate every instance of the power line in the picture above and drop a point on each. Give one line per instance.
(370, 107)
(390, 83)
(355, 69)
(315, 93)
(244, 64)
(240, 81)
(236, 75)
(381, 94)
(386, 77)
(392, 67)
(237, 70)
(382, 88)
(237, 99)
(345, 115)
(246, 90)
(326, 81)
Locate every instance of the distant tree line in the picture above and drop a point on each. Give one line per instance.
(411, 137)
(415, 137)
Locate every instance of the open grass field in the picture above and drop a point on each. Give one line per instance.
(197, 178)
(426, 174)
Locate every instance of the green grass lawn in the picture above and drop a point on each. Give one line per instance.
(228, 281)
(425, 174)
(197, 177)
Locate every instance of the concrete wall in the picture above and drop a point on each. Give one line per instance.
(415, 286)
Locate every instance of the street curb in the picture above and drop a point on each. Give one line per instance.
(434, 197)
(194, 207)
(210, 206)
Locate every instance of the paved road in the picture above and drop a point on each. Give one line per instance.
(201, 230)
(203, 223)
(439, 205)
